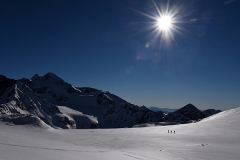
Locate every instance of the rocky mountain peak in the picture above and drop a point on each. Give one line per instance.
(2, 78)
(5, 83)
(189, 108)
(51, 77)
(186, 114)
(191, 112)
(35, 77)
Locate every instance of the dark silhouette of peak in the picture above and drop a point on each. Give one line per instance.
(5, 83)
(47, 77)
(189, 106)
(3, 78)
(186, 114)
(191, 112)
(35, 77)
(210, 112)
(50, 75)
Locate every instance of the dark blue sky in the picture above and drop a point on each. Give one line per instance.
(108, 45)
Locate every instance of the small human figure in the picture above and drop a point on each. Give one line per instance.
(171, 131)
(174, 132)
(168, 131)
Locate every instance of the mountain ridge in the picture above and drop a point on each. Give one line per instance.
(165, 110)
(40, 94)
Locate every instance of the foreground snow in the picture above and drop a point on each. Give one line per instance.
(215, 138)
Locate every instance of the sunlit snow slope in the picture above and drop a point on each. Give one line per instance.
(214, 138)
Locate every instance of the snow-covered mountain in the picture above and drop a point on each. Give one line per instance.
(51, 102)
(110, 110)
(58, 104)
(20, 104)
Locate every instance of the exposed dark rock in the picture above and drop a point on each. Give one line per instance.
(210, 112)
(186, 114)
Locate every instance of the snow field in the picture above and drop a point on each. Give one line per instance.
(215, 138)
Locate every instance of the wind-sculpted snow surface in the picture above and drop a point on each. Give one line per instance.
(83, 121)
(214, 138)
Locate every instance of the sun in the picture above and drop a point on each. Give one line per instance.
(164, 27)
(164, 23)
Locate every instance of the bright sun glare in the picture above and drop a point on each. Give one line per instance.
(164, 23)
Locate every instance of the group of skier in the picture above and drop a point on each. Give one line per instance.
(171, 131)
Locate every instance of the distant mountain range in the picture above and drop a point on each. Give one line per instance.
(48, 101)
(165, 110)
(207, 113)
